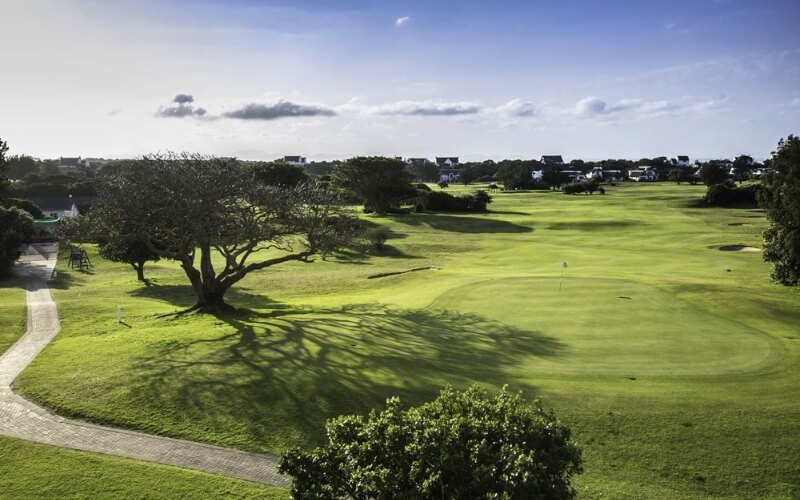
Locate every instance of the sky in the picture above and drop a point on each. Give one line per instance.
(332, 79)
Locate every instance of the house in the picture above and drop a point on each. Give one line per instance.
(574, 175)
(556, 160)
(295, 160)
(447, 161)
(60, 207)
(449, 175)
(643, 173)
(600, 173)
(418, 162)
(683, 161)
(71, 164)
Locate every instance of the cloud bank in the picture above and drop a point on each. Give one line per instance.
(427, 108)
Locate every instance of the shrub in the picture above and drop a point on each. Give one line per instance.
(377, 237)
(27, 206)
(589, 186)
(443, 184)
(462, 445)
(445, 202)
(16, 228)
(422, 187)
(727, 194)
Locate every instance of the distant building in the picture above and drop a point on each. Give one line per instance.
(417, 162)
(295, 160)
(447, 161)
(59, 207)
(556, 160)
(70, 164)
(643, 173)
(683, 161)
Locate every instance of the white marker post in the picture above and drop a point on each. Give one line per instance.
(563, 266)
(119, 314)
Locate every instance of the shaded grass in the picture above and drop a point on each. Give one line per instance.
(30, 471)
(688, 389)
(13, 313)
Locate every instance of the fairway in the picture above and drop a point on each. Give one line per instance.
(608, 327)
(677, 365)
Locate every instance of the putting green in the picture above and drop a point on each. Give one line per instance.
(611, 327)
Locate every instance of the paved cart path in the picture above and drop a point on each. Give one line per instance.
(20, 418)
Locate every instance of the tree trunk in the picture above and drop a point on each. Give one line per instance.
(209, 290)
(139, 268)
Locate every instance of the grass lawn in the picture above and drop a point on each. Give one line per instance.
(29, 471)
(675, 363)
(13, 314)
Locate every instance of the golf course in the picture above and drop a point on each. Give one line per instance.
(639, 316)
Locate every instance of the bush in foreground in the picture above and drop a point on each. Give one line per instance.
(462, 445)
(727, 194)
(440, 201)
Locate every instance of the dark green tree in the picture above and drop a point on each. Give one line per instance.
(20, 166)
(468, 174)
(381, 183)
(3, 169)
(713, 172)
(742, 165)
(781, 198)
(190, 207)
(16, 228)
(463, 445)
(279, 173)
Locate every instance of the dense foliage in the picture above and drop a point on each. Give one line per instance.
(728, 194)
(25, 205)
(462, 445)
(439, 201)
(516, 174)
(278, 173)
(380, 183)
(589, 186)
(782, 200)
(16, 228)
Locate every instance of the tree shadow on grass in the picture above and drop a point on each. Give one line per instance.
(463, 223)
(287, 370)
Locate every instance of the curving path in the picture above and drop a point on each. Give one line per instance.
(20, 418)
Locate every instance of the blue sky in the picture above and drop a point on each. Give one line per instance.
(585, 79)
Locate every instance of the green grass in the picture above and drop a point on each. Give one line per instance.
(12, 312)
(30, 471)
(675, 364)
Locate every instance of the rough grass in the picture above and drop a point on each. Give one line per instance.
(675, 364)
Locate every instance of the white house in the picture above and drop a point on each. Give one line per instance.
(447, 161)
(643, 173)
(295, 160)
(683, 161)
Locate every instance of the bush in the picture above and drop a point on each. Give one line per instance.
(377, 237)
(589, 186)
(26, 205)
(443, 184)
(727, 194)
(422, 187)
(16, 228)
(462, 445)
(440, 201)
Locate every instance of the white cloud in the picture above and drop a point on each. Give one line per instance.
(402, 21)
(426, 108)
(592, 107)
(518, 108)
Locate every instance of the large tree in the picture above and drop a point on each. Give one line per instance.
(278, 173)
(782, 200)
(190, 207)
(381, 183)
(16, 226)
(463, 445)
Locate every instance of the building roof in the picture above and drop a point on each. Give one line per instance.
(293, 159)
(683, 158)
(66, 161)
(443, 159)
(552, 159)
(61, 203)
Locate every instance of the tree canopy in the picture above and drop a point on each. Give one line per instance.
(381, 183)
(278, 173)
(187, 207)
(462, 445)
(782, 201)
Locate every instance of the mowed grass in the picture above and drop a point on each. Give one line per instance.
(676, 364)
(13, 314)
(31, 471)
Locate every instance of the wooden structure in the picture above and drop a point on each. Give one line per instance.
(78, 258)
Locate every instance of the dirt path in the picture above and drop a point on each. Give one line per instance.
(21, 419)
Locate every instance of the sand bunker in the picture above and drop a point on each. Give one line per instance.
(739, 248)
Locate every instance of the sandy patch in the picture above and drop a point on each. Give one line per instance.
(739, 248)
